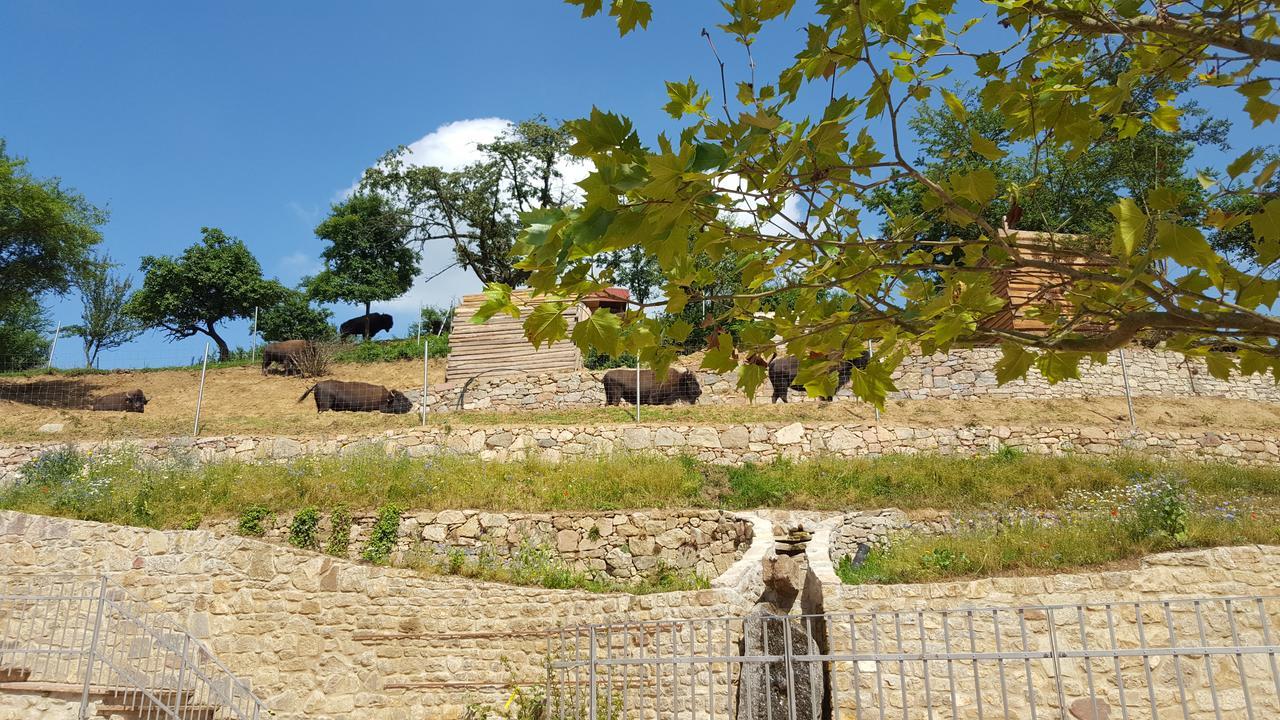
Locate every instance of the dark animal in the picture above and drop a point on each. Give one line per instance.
(288, 353)
(783, 370)
(339, 396)
(378, 322)
(620, 387)
(132, 401)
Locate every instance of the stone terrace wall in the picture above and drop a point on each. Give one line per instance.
(625, 544)
(21, 706)
(725, 444)
(875, 528)
(964, 373)
(323, 638)
(1219, 572)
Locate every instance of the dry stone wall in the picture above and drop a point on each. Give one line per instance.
(963, 373)
(322, 638)
(626, 545)
(719, 444)
(27, 706)
(934, 618)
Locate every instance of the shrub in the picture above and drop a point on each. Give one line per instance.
(192, 522)
(302, 531)
(314, 360)
(339, 532)
(392, 350)
(254, 521)
(596, 360)
(53, 468)
(382, 538)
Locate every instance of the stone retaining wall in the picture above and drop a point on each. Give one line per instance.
(874, 528)
(24, 706)
(963, 373)
(723, 444)
(322, 638)
(626, 545)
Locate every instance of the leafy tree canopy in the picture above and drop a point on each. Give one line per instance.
(753, 171)
(214, 280)
(294, 317)
(478, 208)
(46, 231)
(105, 322)
(24, 330)
(367, 259)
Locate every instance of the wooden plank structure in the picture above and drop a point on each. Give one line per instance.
(499, 345)
(1027, 288)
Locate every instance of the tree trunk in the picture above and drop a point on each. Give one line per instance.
(366, 321)
(224, 352)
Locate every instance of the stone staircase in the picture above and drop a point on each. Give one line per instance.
(113, 703)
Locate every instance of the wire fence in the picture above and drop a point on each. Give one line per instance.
(1185, 658)
(86, 637)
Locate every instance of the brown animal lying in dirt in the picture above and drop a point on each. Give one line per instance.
(132, 401)
(357, 397)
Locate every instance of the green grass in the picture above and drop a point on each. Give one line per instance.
(118, 489)
(1031, 549)
(534, 566)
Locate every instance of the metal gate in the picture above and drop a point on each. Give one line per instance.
(1177, 658)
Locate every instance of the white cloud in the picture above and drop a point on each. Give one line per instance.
(299, 264)
(451, 146)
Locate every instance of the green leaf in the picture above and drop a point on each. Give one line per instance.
(1261, 111)
(631, 13)
(1131, 227)
(985, 147)
(954, 103)
(498, 301)
(1165, 118)
(600, 331)
(1186, 246)
(1242, 164)
(589, 7)
(978, 186)
(685, 99)
(750, 376)
(707, 156)
(720, 356)
(1014, 363)
(679, 330)
(1266, 224)
(546, 324)
(1220, 365)
(1057, 366)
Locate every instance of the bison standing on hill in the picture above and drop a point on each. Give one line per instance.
(783, 370)
(340, 396)
(367, 325)
(620, 387)
(132, 401)
(288, 353)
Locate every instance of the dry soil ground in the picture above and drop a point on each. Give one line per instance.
(242, 400)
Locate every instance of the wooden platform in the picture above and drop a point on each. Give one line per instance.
(499, 345)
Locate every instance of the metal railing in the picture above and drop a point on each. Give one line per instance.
(1179, 658)
(86, 636)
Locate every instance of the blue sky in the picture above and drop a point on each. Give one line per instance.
(253, 117)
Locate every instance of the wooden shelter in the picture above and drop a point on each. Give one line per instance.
(499, 345)
(1029, 287)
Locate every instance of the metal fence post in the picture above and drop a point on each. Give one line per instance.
(253, 337)
(426, 358)
(204, 367)
(182, 675)
(93, 646)
(1128, 396)
(591, 673)
(53, 345)
(874, 407)
(638, 386)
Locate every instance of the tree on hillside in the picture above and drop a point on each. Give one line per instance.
(105, 323)
(1042, 189)
(294, 317)
(367, 259)
(756, 173)
(214, 280)
(635, 270)
(24, 331)
(433, 320)
(478, 208)
(46, 231)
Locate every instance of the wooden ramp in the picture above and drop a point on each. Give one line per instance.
(499, 345)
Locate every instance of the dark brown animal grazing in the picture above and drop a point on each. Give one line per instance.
(341, 396)
(288, 353)
(620, 387)
(132, 401)
(783, 370)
